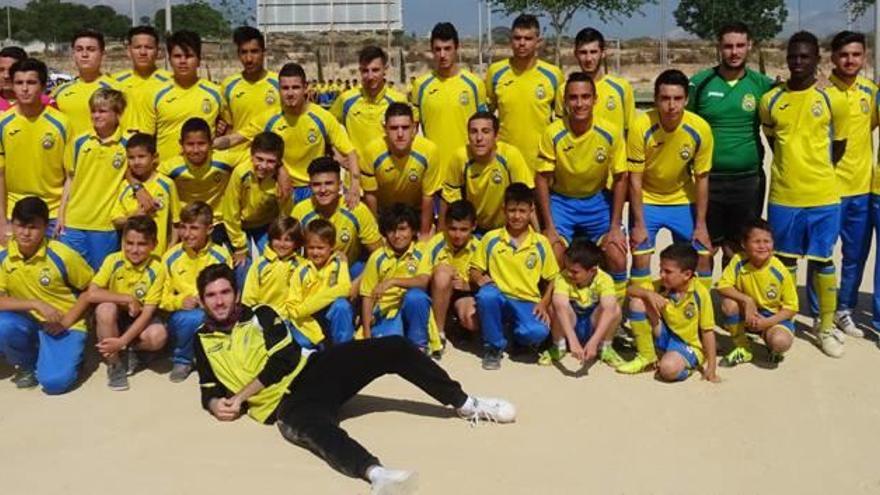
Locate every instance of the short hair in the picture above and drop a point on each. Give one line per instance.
(139, 30)
(31, 65)
(286, 226)
(188, 41)
(142, 140)
(109, 97)
(460, 211)
(755, 224)
(197, 212)
(269, 142)
(370, 53)
(580, 76)
(89, 33)
(293, 69)
(195, 124)
(671, 77)
(486, 115)
(15, 52)
(213, 273)
(734, 27)
(399, 109)
(806, 38)
(243, 34)
(589, 35)
(526, 21)
(444, 31)
(323, 229)
(324, 165)
(30, 209)
(141, 224)
(844, 38)
(682, 254)
(519, 193)
(397, 214)
(585, 253)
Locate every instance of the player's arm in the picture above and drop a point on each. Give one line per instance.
(62, 209)
(639, 233)
(608, 316)
(701, 166)
(427, 217)
(619, 189)
(5, 228)
(213, 393)
(542, 190)
(367, 303)
(707, 337)
(839, 120)
(479, 277)
(231, 212)
(228, 141)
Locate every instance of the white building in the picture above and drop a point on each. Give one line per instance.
(282, 16)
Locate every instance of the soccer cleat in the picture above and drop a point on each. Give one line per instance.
(776, 357)
(25, 378)
(637, 365)
(394, 482)
(179, 372)
(610, 357)
(549, 356)
(739, 355)
(843, 320)
(133, 362)
(117, 377)
(492, 358)
(478, 409)
(830, 344)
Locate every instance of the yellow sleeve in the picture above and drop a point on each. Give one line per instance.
(256, 125)
(250, 294)
(789, 292)
(703, 160)
(629, 107)
(618, 163)
(79, 273)
(369, 233)
(425, 266)
(728, 276)
(549, 266)
(102, 278)
(482, 100)
(170, 300)
(559, 90)
(230, 210)
(874, 120)
(479, 260)
(308, 306)
(491, 97)
(336, 109)
(519, 170)
(764, 114)
(118, 210)
(294, 293)
(605, 287)
(547, 151)
(154, 293)
(3, 280)
(69, 151)
(562, 287)
(368, 168)
(635, 147)
(2, 152)
(839, 115)
(370, 276)
(174, 203)
(432, 181)
(339, 137)
(707, 314)
(453, 179)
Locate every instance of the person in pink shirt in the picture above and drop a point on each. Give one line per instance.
(8, 56)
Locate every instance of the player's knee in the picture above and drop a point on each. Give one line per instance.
(488, 294)
(779, 341)
(106, 312)
(636, 305)
(670, 369)
(729, 307)
(57, 381)
(416, 296)
(442, 278)
(154, 337)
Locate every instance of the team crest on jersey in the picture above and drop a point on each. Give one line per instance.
(772, 292)
(749, 103)
(816, 109)
(206, 106)
(312, 137)
(464, 98)
(117, 160)
(140, 290)
(270, 97)
(496, 177)
(865, 106)
(48, 141)
(601, 154)
(610, 104)
(217, 179)
(413, 176)
(685, 152)
(160, 201)
(531, 261)
(540, 92)
(411, 267)
(45, 277)
(344, 235)
(690, 310)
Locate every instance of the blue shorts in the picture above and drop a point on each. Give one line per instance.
(300, 193)
(668, 341)
(583, 326)
(678, 219)
(92, 245)
(810, 232)
(788, 324)
(590, 216)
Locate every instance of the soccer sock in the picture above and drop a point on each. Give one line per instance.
(705, 278)
(641, 278)
(825, 285)
(561, 344)
(644, 337)
(620, 283)
(734, 325)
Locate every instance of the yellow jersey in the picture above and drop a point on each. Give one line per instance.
(385, 264)
(355, 228)
(484, 184)
(144, 282)
(32, 153)
(363, 116)
(581, 164)
(206, 182)
(306, 136)
(244, 100)
(97, 167)
(445, 105)
(688, 315)
(526, 102)
(248, 202)
(401, 180)
(183, 267)
(615, 102)
(313, 289)
(268, 280)
(516, 270)
(172, 105)
(164, 192)
(137, 91)
(669, 161)
(584, 298)
(54, 274)
(771, 286)
(72, 99)
(854, 169)
(441, 252)
(802, 125)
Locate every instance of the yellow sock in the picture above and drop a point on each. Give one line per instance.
(641, 278)
(734, 325)
(620, 283)
(705, 278)
(644, 336)
(825, 285)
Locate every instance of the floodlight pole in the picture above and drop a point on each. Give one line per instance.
(133, 15)
(480, 33)
(168, 28)
(876, 39)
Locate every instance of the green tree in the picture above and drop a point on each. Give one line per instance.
(54, 21)
(857, 7)
(197, 16)
(560, 12)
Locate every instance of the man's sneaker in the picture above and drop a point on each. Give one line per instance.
(637, 365)
(179, 372)
(843, 320)
(492, 358)
(133, 362)
(25, 378)
(394, 482)
(550, 356)
(830, 344)
(610, 357)
(739, 355)
(117, 377)
(478, 409)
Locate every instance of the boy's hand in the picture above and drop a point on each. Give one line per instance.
(110, 346)
(701, 235)
(638, 235)
(134, 307)
(146, 203)
(239, 257)
(552, 235)
(459, 283)
(541, 312)
(383, 287)
(353, 195)
(711, 376)
(224, 409)
(655, 302)
(591, 350)
(615, 237)
(49, 313)
(190, 302)
(58, 229)
(5, 231)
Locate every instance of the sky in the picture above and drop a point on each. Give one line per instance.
(821, 16)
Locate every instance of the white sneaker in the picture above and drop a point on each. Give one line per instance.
(487, 409)
(843, 320)
(394, 482)
(830, 344)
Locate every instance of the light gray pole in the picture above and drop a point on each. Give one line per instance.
(168, 27)
(876, 39)
(480, 33)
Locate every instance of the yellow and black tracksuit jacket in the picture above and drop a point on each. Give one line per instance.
(257, 346)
